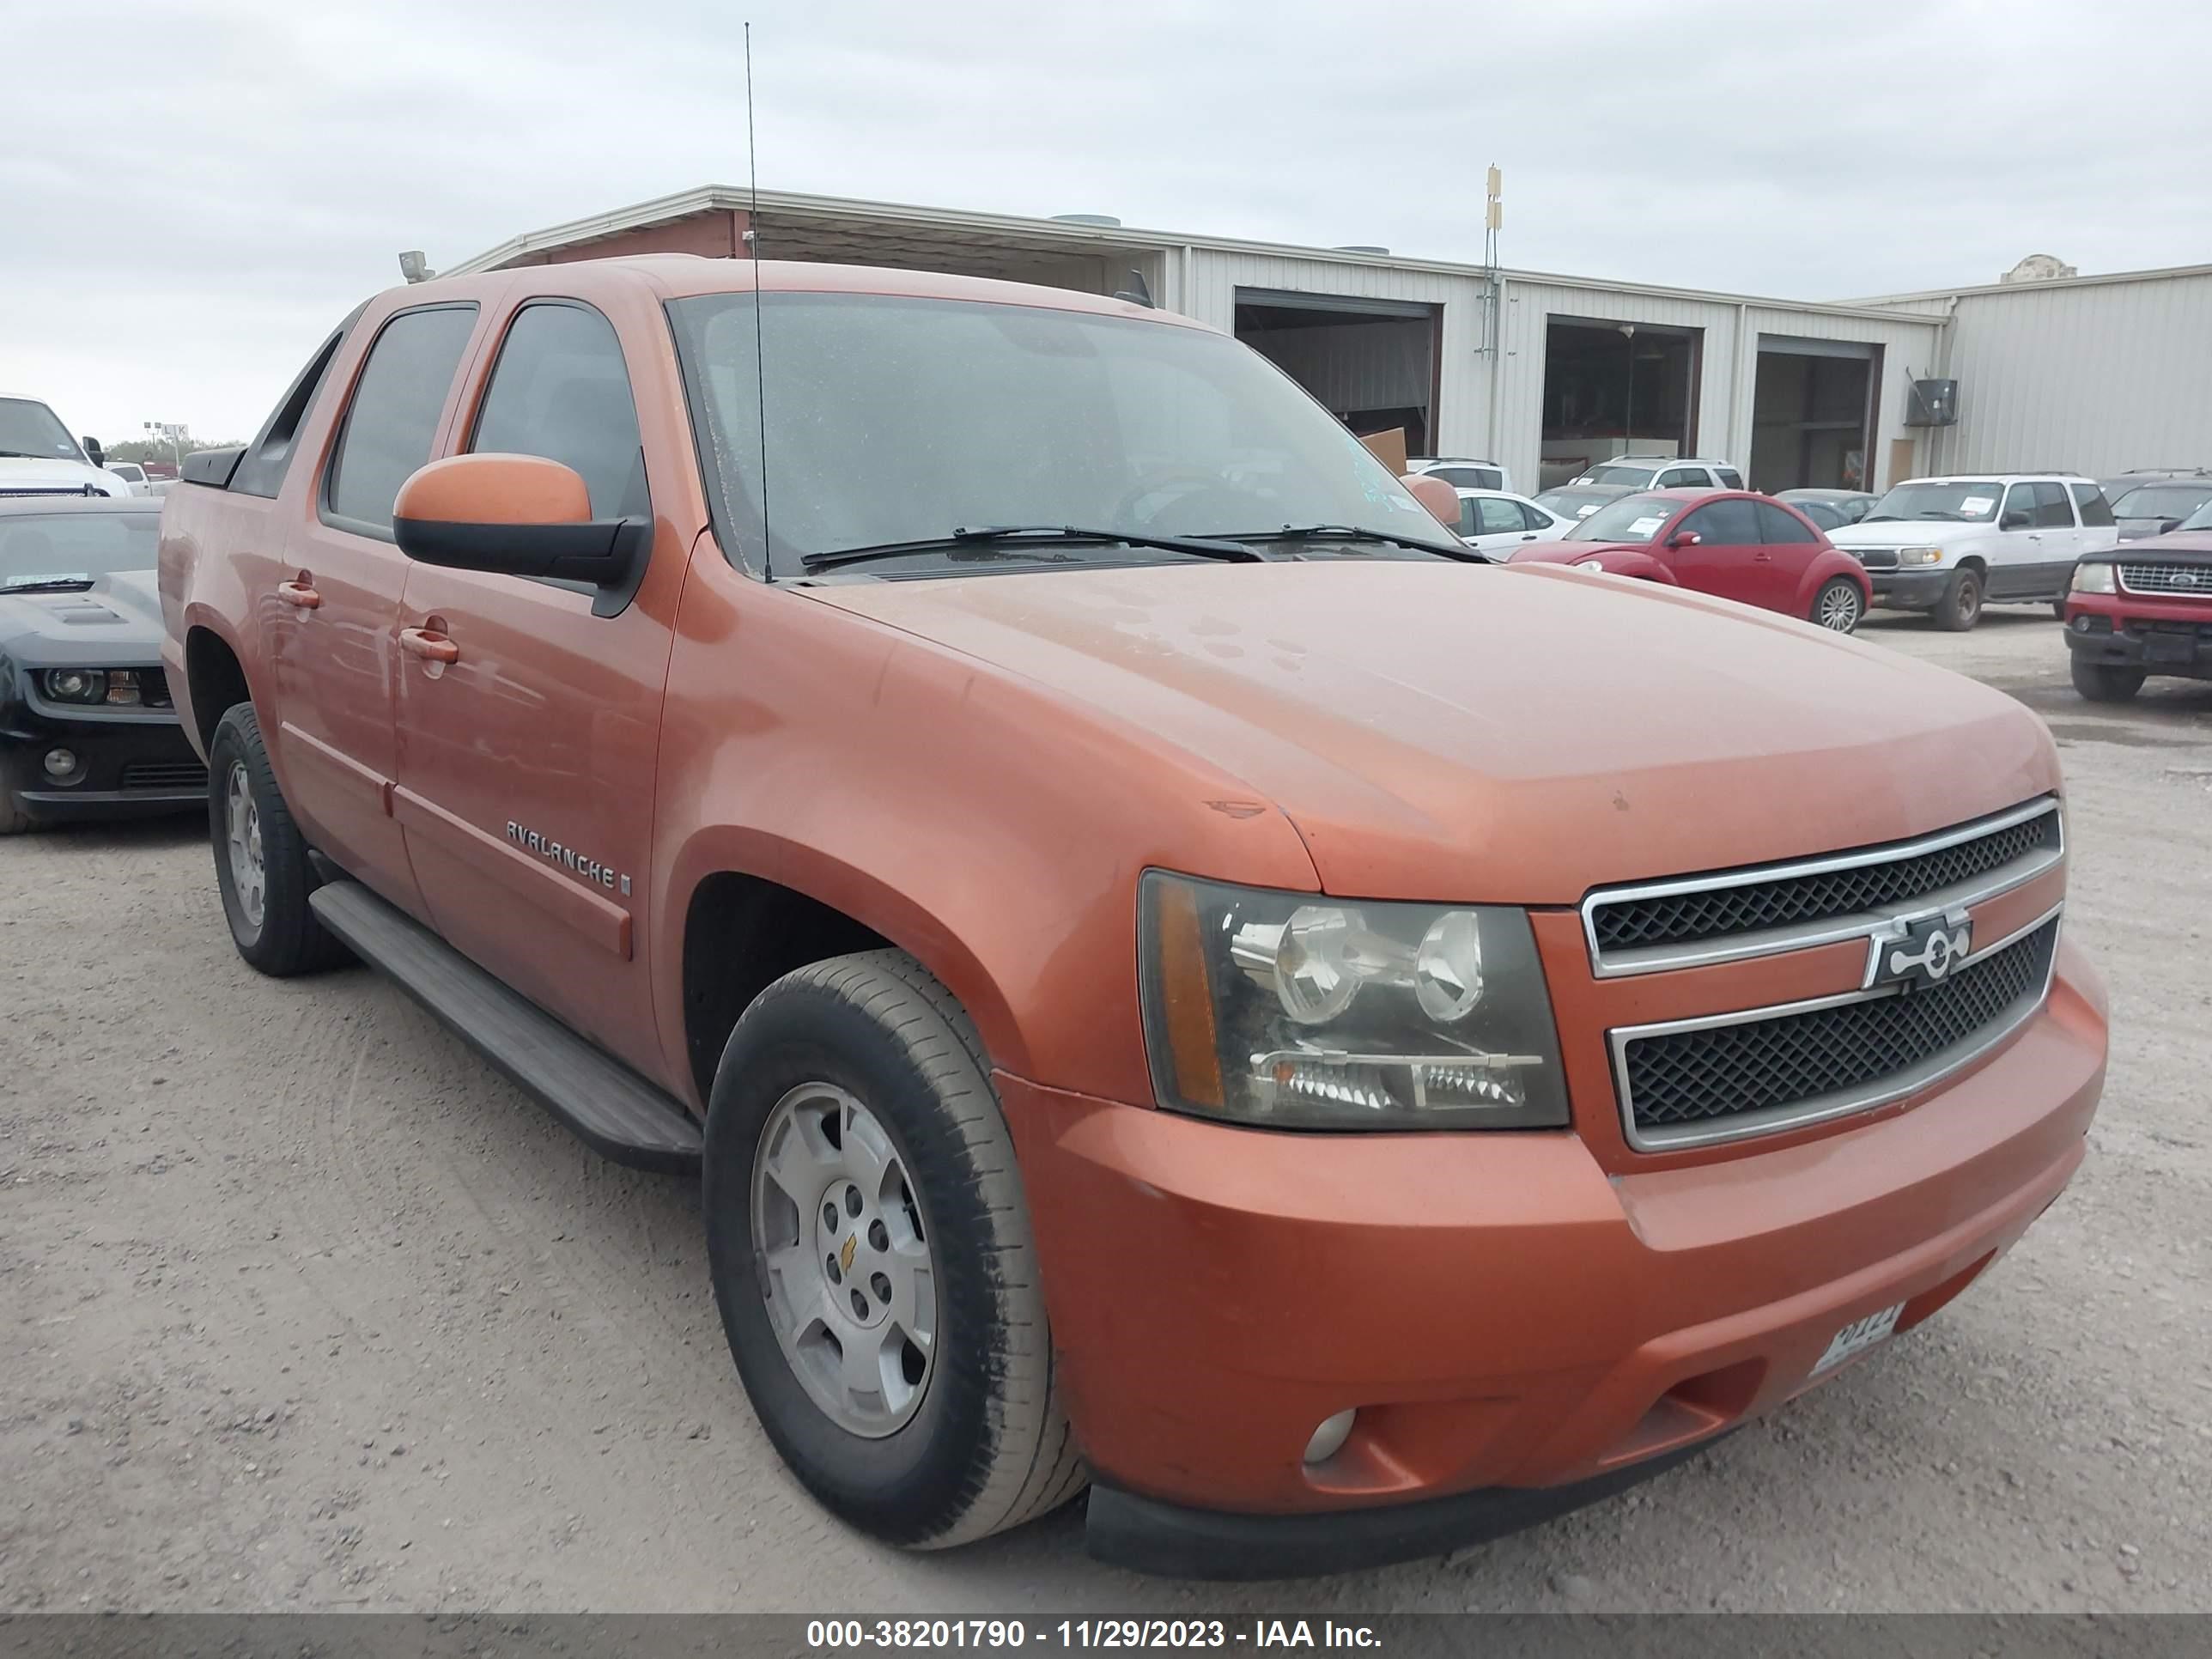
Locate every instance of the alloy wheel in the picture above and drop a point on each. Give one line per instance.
(844, 1259)
(241, 820)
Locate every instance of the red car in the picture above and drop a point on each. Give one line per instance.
(1729, 543)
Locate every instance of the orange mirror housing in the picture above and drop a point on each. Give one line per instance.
(494, 489)
(1439, 497)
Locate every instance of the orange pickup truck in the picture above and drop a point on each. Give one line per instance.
(1175, 976)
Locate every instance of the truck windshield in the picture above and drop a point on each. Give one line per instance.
(36, 547)
(29, 429)
(893, 420)
(1959, 500)
(1631, 519)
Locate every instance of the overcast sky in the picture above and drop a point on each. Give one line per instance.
(191, 192)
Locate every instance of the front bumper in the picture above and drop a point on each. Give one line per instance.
(1507, 1314)
(2126, 630)
(134, 766)
(1909, 590)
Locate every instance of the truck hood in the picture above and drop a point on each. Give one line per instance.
(1908, 532)
(26, 474)
(115, 624)
(1513, 733)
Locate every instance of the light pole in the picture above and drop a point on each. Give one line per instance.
(1628, 421)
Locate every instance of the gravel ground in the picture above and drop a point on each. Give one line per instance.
(306, 1310)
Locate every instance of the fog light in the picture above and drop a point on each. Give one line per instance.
(62, 764)
(1328, 1439)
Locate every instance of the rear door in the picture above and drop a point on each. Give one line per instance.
(1500, 526)
(527, 763)
(1728, 559)
(332, 612)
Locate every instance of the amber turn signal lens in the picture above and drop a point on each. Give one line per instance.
(1193, 1045)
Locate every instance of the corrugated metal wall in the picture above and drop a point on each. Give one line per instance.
(1382, 364)
(2094, 377)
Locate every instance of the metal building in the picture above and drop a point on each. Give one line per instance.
(1548, 374)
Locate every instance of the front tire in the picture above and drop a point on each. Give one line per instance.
(872, 1258)
(1960, 607)
(2105, 682)
(260, 857)
(1839, 605)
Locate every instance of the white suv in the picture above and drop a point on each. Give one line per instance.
(1461, 473)
(1950, 545)
(1662, 472)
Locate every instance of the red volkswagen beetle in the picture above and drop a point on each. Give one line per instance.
(1729, 543)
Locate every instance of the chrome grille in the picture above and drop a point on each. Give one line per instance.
(2166, 576)
(1750, 912)
(164, 774)
(1874, 558)
(1733, 1075)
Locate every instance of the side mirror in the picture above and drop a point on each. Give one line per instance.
(2017, 519)
(1439, 497)
(519, 515)
(94, 452)
(1684, 538)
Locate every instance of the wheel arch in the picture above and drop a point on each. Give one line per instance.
(743, 908)
(215, 678)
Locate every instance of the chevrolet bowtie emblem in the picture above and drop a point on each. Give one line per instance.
(1928, 950)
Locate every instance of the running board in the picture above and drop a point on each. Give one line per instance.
(609, 1107)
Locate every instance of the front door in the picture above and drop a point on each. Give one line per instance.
(1726, 559)
(528, 760)
(2018, 553)
(1792, 545)
(333, 612)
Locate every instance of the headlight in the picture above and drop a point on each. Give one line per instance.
(1589, 564)
(1301, 1012)
(2094, 579)
(1919, 555)
(74, 684)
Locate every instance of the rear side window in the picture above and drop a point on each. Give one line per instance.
(1683, 477)
(2052, 510)
(2095, 509)
(261, 469)
(1727, 524)
(394, 417)
(1729, 477)
(560, 389)
(1778, 524)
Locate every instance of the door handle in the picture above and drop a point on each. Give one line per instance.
(1762, 557)
(1530, 537)
(299, 593)
(429, 646)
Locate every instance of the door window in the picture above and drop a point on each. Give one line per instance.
(2021, 499)
(560, 389)
(2053, 511)
(1779, 526)
(1535, 518)
(2096, 511)
(1684, 477)
(1726, 524)
(1499, 517)
(394, 417)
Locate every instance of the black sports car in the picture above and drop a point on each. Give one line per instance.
(87, 727)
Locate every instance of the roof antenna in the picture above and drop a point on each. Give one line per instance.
(1139, 292)
(752, 246)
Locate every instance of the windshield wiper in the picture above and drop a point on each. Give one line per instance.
(48, 585)
(1353, 532)
(983, 536)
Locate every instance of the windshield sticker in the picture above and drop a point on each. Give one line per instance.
(1646, 526)
(1977, 503)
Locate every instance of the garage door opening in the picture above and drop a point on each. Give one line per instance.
(1616, 389)
(1372, 363)
(1811, 423)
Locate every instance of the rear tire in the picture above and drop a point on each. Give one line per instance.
(1960, 607)
(260, 857)
(1840, 606)
(2105, 682)
(853, 1137)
